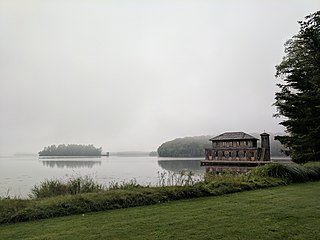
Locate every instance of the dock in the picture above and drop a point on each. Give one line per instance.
(233, 163)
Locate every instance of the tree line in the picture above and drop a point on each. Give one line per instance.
(71, 150)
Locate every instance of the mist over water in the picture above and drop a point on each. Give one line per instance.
(130, 75)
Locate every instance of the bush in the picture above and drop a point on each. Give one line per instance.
(313, 170)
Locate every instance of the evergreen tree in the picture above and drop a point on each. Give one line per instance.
(298, 100)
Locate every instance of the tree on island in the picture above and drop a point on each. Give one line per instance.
(71, 150)
(185, 147)
(298, 100)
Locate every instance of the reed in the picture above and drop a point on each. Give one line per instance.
(124, 185)
(183, 178)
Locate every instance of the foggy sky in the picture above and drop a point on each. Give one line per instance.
(129, 75)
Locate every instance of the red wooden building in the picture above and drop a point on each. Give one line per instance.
(238, 146)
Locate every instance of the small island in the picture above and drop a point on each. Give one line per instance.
(71, 150)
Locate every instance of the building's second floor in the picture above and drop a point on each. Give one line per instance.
(240, 144)
(234, 140)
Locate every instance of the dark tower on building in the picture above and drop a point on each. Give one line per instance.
(265, 147)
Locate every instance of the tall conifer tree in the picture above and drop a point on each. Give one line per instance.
(298, 100)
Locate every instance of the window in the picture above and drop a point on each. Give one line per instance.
(247, 143)
(223, 154)
(216, 153)
(237, 153)
(244, 153)
(229, 154)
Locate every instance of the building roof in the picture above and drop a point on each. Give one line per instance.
(233, 136)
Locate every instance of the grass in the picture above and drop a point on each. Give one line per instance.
(285, 212)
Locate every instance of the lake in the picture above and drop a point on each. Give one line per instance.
(18, 174)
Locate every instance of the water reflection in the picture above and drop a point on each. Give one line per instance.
(194, 166)
(70, 164)
(67, 157)
(177, 165)
(226, 169)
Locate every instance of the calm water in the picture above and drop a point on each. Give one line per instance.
(18, 174)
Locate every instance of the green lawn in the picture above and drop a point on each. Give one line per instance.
(287, 212)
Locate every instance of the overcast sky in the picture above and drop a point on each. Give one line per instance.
(129, 75)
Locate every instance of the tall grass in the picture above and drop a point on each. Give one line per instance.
(74, 185)
(290, 172)
(86, 184)
(183, 178)
(124, 185)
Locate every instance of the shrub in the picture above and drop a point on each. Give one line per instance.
(313, 170)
